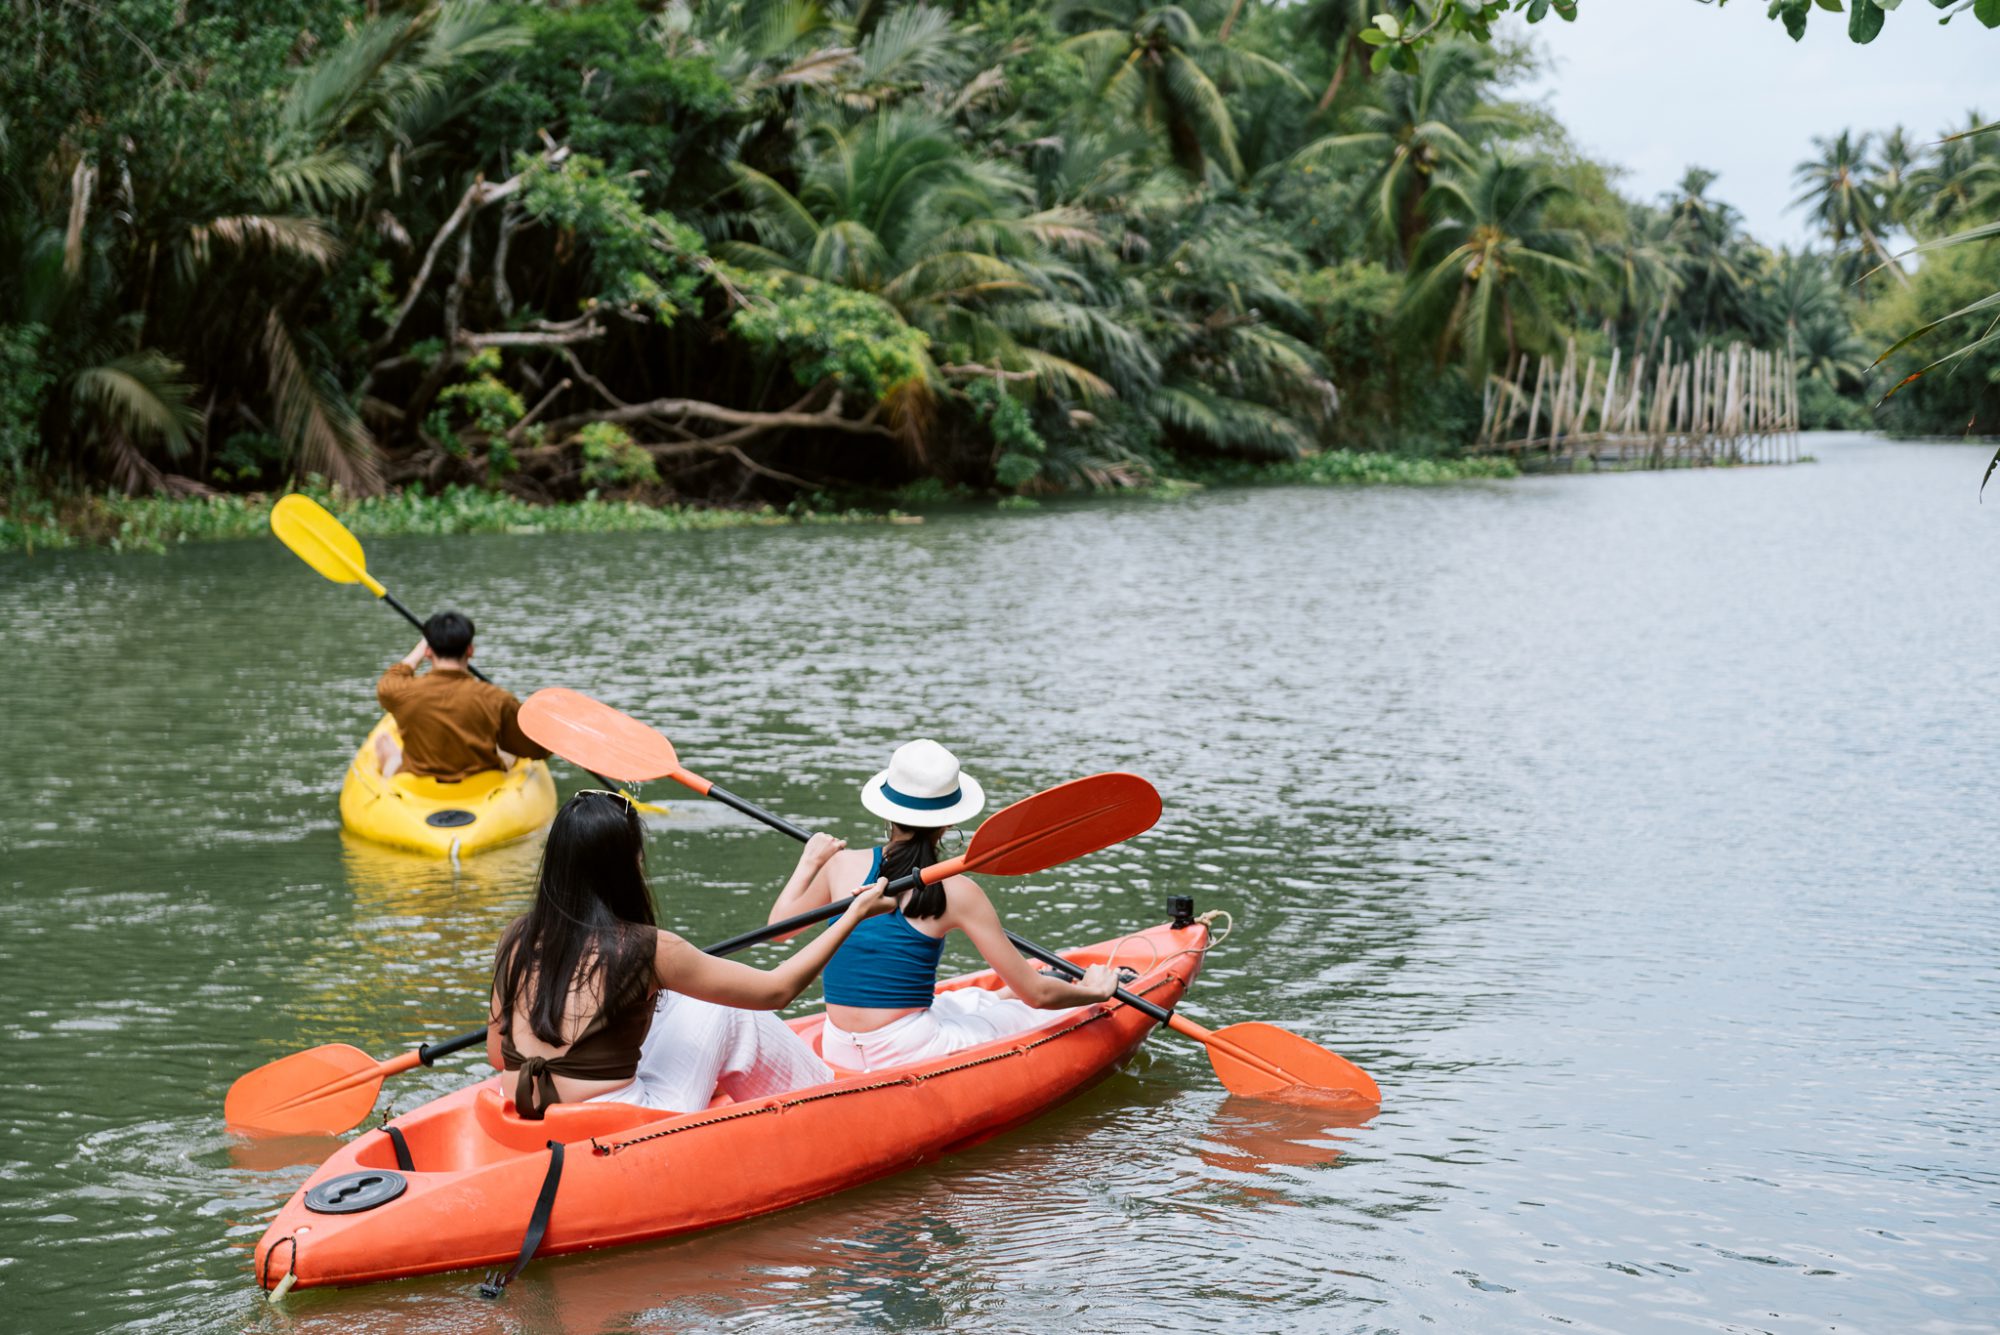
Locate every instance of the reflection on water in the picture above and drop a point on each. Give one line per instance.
(1627, 829)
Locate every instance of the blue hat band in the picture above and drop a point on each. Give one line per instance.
(950, 799)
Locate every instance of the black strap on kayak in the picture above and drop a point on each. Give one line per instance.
(403, 1159)
(538, 1224)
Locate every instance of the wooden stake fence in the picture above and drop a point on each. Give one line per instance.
(1733, 405)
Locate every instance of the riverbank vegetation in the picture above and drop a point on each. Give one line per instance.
(754, 251)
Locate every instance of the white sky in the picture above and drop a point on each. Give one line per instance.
(1657, 85)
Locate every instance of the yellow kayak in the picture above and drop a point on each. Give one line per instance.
(442, 818)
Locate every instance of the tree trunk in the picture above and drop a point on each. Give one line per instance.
(1333, 85)
(1230, 22)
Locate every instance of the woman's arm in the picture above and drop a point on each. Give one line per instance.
(973, 913)
(694, 973)
(809, 886)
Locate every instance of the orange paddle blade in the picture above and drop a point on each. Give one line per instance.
(321, 1091)
(1063, 822)
(596, 737)
(1301, 1070)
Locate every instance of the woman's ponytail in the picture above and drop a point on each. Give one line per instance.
(915, 853)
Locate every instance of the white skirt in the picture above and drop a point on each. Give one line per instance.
(697, 1049)
(964, 1017)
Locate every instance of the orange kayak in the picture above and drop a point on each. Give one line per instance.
(475, 1169)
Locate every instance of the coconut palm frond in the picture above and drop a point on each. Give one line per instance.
(290, 236)
(1227, 425)
(324, 433)
(1059, 375)
(317, 179)
(142, 396)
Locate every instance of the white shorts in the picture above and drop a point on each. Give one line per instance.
(964, 1017)
(697, 1049)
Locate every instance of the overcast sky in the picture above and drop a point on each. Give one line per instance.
(1657, 85)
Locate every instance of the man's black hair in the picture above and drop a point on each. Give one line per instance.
(449, 634)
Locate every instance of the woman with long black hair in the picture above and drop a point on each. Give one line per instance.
(882, 1007)
(593, 1001)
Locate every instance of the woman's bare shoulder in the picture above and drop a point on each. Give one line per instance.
(850, 865)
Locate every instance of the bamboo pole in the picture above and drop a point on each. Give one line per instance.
(1583, 401)
(1535, 409)
(1604, 427)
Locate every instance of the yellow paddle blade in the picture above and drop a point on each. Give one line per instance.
(321, 541)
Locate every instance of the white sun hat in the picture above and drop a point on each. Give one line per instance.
(923, 788)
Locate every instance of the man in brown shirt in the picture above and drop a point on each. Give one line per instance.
(453, 724)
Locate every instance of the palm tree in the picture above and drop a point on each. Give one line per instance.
(1895, 165)
(1216, 307)
(1838, 187)
(1337, 25)
(1798, 290)
(1964, 169)
(1714, 258)
(1156, 66)
(1489, 262)
(1828, 348)
(896, 206)
(1425, 122)
(1641, 271)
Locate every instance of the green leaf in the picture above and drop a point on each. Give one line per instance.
(1864, 21)
(1832, 5)
(1794, 13)
(1987, 12)
(1374, 37)
(1538, 11)
(1389, 26)
(1380, 60)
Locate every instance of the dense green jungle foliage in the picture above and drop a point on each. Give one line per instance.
(746, 251)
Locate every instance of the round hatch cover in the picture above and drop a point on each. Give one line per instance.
(450, 818)
(351, 1193)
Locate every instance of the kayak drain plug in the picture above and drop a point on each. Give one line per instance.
(1182, 909)
(351, 1193)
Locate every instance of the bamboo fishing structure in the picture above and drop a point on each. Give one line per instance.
(1733, 404)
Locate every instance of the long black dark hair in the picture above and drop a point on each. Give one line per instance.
(592, 917)
(914, 853)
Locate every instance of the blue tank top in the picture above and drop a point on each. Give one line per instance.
(884, 961)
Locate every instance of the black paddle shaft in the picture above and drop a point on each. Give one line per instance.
(755, 812)
(1072, 972)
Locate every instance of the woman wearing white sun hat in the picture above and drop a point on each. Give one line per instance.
(881, 1006)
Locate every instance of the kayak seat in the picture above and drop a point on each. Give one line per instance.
(439, 790)
(567, 1122)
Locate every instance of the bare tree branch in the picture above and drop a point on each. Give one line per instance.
(477, 196)
(828, 418)
(975, 370)
(530, 339)
(514, 431)
(510, 221)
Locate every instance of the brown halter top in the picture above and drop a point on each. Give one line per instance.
(607, 1049)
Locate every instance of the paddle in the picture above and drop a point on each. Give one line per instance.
(574, 726)
(328, 1089)
(1251, 1059)
(324, 543)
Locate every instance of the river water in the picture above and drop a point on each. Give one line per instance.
(1635, 832)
